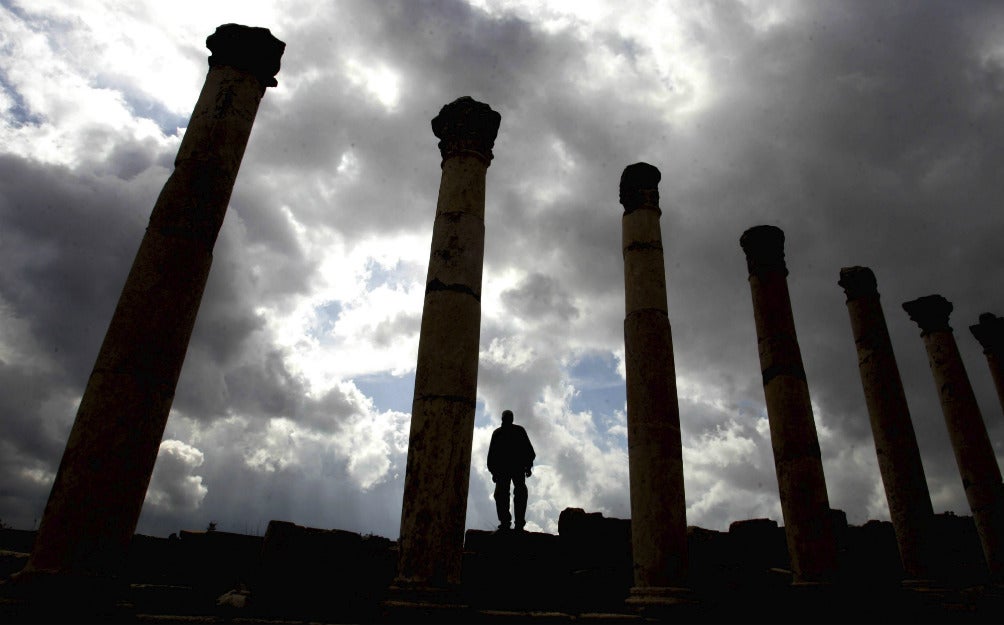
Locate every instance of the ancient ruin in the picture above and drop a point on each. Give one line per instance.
(655, 450)
(990, 333)
(446, 377)
(981, 477)
(595, 569)
(895, 442)
(99, 489)
(797, 461)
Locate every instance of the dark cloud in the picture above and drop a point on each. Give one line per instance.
(870, 133)
(538, 298)
(396, 328)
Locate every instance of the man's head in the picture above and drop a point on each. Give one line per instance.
(507, 417)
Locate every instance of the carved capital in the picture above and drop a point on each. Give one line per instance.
(930, 313)
(990, 333)
(639, 187)
(858, 282)
(247, 48)
(466, 125)
(764, 248)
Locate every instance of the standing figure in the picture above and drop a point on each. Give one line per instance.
(510, 458)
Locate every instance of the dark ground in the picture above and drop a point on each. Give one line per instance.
(296, 574)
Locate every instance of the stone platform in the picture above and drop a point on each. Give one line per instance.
(296, 574)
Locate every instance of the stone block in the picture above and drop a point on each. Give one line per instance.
(309, 572)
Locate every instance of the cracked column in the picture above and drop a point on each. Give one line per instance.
(101, 483)
(990, 333)
(981, 477)
(436, 482)
(895, 441)
(655, 452)
(801, 484)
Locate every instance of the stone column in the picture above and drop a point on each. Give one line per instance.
(655, 452)
(436, 481)
(990, 333)
(98, 492)
(981, 477)
(895, 442)
(804, 503)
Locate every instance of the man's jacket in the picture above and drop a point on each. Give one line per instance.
(510, 450)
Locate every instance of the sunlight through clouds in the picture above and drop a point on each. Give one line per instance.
(72, 119)
(326, 348)
(295, 393)
(276, 449)
(378, 79)
(723, 447)
(38, 476)
(661, 38)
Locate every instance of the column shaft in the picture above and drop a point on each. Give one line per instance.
(981, 477)
(437, 478)
(895, 441)
(98, 492)
(655, 452)
(797, 461)
(990, 333)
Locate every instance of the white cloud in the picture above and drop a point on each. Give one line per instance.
(173, 486)
(318, 277)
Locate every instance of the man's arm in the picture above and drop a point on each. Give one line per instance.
(530, 456)
(530, 453)
(493, 455)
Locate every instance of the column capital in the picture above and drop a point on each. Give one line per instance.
(247, 48)
(990, 333)
(858, 282)
(466, 125)
(639, 187)
(764, 248)
(930, 313)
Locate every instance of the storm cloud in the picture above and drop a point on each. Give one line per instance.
(871, 133)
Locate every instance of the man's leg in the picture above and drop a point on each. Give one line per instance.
(519, 496)
(502, 500)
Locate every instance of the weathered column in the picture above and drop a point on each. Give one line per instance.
(804, 503)
(990, 333)
(655, 451)
(981, 477)
(436, 482)
(95, 502)
(895, 441)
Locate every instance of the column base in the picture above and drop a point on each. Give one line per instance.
(661, 601)
(415, 602)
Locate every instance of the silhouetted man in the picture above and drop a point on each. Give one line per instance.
(510, 458)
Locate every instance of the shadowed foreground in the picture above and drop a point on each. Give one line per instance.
(584, 574)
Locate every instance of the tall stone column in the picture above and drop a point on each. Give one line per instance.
(990, 333)
(805, 505)
(98, 492)
(981, 477)
(436, 481)
(895, 441)
(655, 451)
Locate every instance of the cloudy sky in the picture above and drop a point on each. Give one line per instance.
(872, 133)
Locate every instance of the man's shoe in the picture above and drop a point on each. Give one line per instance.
(502, 528)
